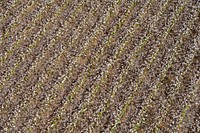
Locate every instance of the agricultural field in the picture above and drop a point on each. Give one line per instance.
(119, 66)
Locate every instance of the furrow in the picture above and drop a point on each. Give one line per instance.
(30, 75)
(18, 6)
(91, 37)
(83, 75)
(187, 106)
(119, 51)
(149, 81)
(99, 66)
(97, 27)
(142, 44)
(31, 29)
(176, 112)
(20, 23)
(121, 77)
(145, 71)
(53, 44)
(56, 69)
(11, 72)
(19, 19)
(5, 6)
(6, 22)
(30, 33)
(157, 86)
(15, 8)
(174, 88)
(33, 53)
(146, 87)
(53, 70)
(105, 77)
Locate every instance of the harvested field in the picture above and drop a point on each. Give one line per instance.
(100, 66)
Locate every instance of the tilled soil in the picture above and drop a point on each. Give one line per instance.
(100, 66)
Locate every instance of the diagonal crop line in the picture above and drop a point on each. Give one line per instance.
(163, 74)
(24, 12)
(178, 84)
(157, 86)
(96, 33)
(187, 67)
(27, 30)
(24, 35)
(62, 83)
(98, 57)
(53, 43)
(141, 77)
(62, 50)
(24, 56)
(188, 105)
(6, 22)
(15, 24)
(34, 44)
(6, 13)
(95, 85)
(38, 15)
(91, 37)
(58, 36)
(19, 88)
(13, 69)
(108, 102)
(94, 92)
(12, 72)
(82, 24)
(121, 78)
(184, 111)
(102, 50)
(142, 45)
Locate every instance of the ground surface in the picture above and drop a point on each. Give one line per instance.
(100, 66)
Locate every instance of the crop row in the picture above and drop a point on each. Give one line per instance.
(29, 57)
(66, 24)
(85, 78)
(96, 30)
(144, 72)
